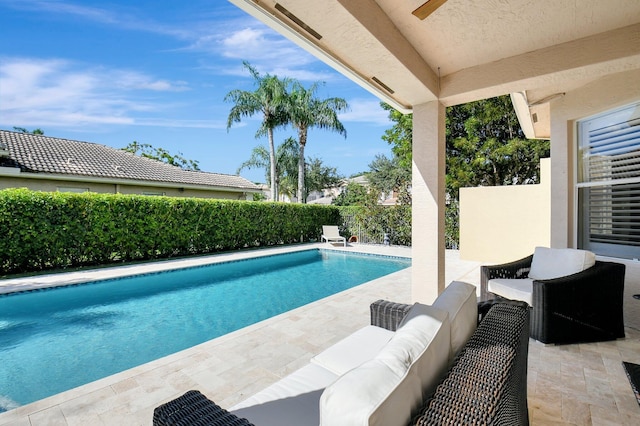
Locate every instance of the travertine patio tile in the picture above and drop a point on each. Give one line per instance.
(14, 419)
(50, 417)
(627, 403)
(545, 409)
(575, 412)
(564, 381)
(125, 385)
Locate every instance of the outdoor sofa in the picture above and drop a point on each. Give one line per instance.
(414, 365)
(573, 297)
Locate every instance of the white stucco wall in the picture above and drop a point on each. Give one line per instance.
(504, 223)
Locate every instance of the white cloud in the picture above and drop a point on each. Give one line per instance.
(366, 111)
(269, 53)
(133, 80)
(60, 93)
(63, 8)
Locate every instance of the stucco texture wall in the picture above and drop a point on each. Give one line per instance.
(504, 223)
(51, 185)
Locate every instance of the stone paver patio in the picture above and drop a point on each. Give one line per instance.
(570, 384)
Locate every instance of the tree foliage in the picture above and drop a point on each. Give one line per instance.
(303, 110)
(353, 194)
(33, 132)
(388, 175)
(318, 176)
(268, 100)
(485, 146)
(161, 154)
(400, 135)
(285, 102)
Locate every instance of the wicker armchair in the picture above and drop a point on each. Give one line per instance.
(583, 307)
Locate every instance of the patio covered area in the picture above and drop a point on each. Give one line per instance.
(562, 62)
(572, 70)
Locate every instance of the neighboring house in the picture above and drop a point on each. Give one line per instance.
(327, 195)
(44, 163)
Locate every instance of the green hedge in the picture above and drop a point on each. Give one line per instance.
(372, 222)
(43, 230)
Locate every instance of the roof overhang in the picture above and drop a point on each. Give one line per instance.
(277, 20)
(464, 50)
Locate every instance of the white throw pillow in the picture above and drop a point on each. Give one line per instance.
(390, 388)
(549, 263)
(459, 299)
(353, 398)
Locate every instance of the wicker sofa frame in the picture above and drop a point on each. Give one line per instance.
(486, 384)
(583, 307)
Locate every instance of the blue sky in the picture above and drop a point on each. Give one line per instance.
(156, 72)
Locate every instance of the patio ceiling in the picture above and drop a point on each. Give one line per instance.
(466, 49)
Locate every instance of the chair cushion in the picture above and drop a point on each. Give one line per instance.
(353, 350)
(388, 389)
(514, 289)
(459, 299)
(305, 380)
(549, 263)
(292, 401)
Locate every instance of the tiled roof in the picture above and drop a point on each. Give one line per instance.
(43, 154)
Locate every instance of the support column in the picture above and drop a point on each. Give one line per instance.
(428, 205)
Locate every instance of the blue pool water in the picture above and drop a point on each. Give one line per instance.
(57, 339)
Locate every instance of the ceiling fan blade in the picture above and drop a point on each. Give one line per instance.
(428, 8)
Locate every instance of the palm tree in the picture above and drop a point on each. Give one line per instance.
(304, 111)
(268, 99)
(286, 162)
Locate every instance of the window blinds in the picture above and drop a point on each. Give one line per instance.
(609, 187)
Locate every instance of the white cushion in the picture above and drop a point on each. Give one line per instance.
(416, 309)
(353, 350)
(549, 263)
(459, 299)
(514, 289)
(307, 379)
(356, 395)
(388, 389)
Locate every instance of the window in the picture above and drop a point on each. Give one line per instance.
(154, 193)
(609, 183)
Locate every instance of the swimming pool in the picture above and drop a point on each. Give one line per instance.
(54, 340)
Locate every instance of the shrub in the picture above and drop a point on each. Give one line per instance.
(44, 230)
(371, 223)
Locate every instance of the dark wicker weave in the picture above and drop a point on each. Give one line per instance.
(194, 409)
(633, 374)
(487, 384)
(583, 307)
(387, 314)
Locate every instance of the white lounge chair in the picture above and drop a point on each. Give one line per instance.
(331, 234)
